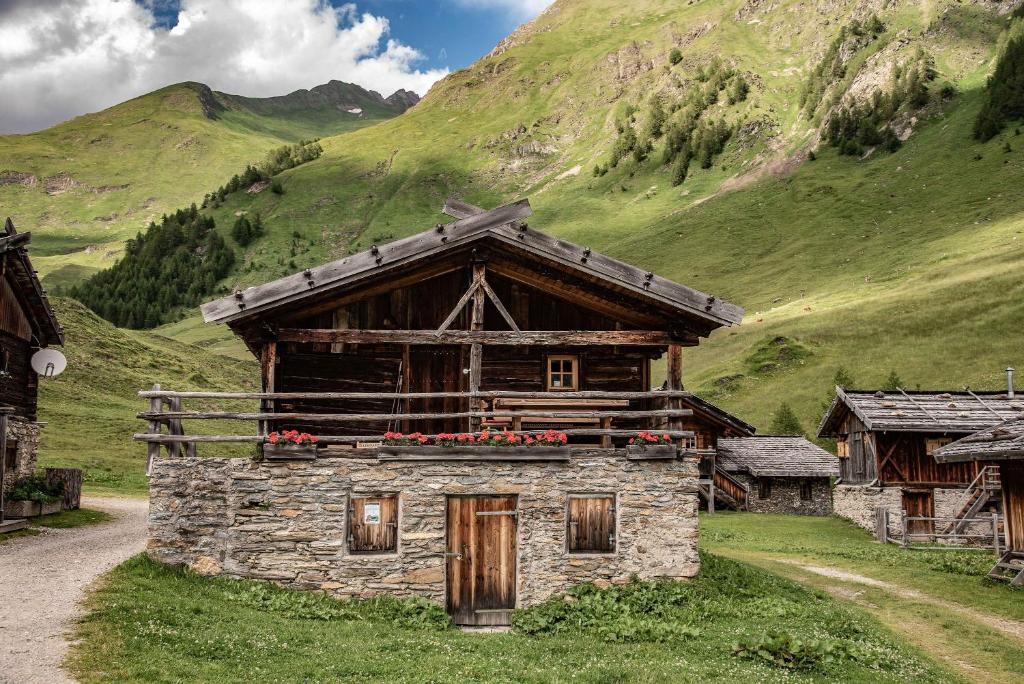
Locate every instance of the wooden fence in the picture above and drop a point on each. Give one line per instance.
(166, 415)
(933, 533)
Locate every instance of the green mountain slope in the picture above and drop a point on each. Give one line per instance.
(89, 410)
(86, 185)
(900, 261)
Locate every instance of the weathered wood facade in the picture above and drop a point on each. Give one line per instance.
(27, 324)
(481, 323)
(1002, 444)
(887, 441)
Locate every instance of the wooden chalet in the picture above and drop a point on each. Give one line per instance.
(480, 323)
(27, 324)
(1002, 444)
(886, 442)
(781, 474)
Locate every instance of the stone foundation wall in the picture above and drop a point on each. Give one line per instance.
(27, 435)
(287, 521)
(785, 496)
(858, 503)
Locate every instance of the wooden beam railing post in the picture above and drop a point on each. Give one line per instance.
(476, 350)
(674, 377)
(156, 405)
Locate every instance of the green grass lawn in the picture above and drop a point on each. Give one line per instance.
(63, 520)
(939, 600)
(148, 622)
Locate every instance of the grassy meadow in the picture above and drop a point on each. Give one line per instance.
(200, 629)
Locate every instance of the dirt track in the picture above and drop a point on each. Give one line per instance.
(42, 581)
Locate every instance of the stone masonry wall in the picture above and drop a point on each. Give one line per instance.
(27, 435)
(785, 496)
(285, 521)
(858, 503)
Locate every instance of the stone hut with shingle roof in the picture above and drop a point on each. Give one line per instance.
(783, 474)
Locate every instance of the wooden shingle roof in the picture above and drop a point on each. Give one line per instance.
(25, 283)
(776, 456)
(997, 443)
(500, 226)
(905, 411)
(706, 409)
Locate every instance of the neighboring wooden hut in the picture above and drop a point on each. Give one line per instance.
(886, 441)
(27, 324)
(481, 323)
(781, 474)
(1002, 444)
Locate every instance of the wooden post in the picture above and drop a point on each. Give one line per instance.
(174, 427)
(674, 382)
(476, 350)
(4, 412)
(995, 533)
(268, 362)
(156, 405)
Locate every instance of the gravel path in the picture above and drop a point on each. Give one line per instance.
(42, 581)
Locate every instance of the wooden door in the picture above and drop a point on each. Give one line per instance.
(438, 369)
(919, 503)
(481, 559)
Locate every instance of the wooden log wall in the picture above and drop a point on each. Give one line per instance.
(902, 459)
(20, 388)
(338, 367)
(859, 467)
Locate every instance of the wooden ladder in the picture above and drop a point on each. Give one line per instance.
(1009, 568)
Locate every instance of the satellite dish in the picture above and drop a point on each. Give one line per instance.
(49, 363)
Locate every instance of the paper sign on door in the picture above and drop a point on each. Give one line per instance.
(371, 514)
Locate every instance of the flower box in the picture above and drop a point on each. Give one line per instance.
(293, 452)
(473, 453)
(30, 509)
(651, 451)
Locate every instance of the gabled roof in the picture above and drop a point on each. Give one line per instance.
(718, 414)
(998, 443)
(498, 225)
(904, 411)
(26, 283)
(775, 456)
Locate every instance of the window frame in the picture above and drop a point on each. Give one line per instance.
(764, 488)
(808, 487)
(613, 526)
(11, 457)
(574, 374)
(350, 541)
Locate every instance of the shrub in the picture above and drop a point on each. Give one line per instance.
(785, 650)
(638, 611)
(785, 421)
(675, 56)
(276, 187)
(36, 488)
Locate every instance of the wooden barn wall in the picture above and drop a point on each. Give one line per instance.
(19, 388)
(13, 319)
(1012, 475)
(859, 467)
(911, 464)
(325, 367)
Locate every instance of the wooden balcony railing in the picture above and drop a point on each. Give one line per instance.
(166, 415)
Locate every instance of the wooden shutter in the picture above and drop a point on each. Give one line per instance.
(373, 524)
(806, 493)
(591, 523)
(764, 488)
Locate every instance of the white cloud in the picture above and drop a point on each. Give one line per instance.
(521, 10)
(61, 59)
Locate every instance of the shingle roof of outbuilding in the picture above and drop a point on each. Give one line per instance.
(44, 321)
(943, 412)
(1000, 442)
(776, 456)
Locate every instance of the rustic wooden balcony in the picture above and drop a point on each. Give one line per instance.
(581, 414)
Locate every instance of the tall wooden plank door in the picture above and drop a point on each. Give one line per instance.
(919, 504)
(1012, 476)
(481, 559)
(438, 369)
